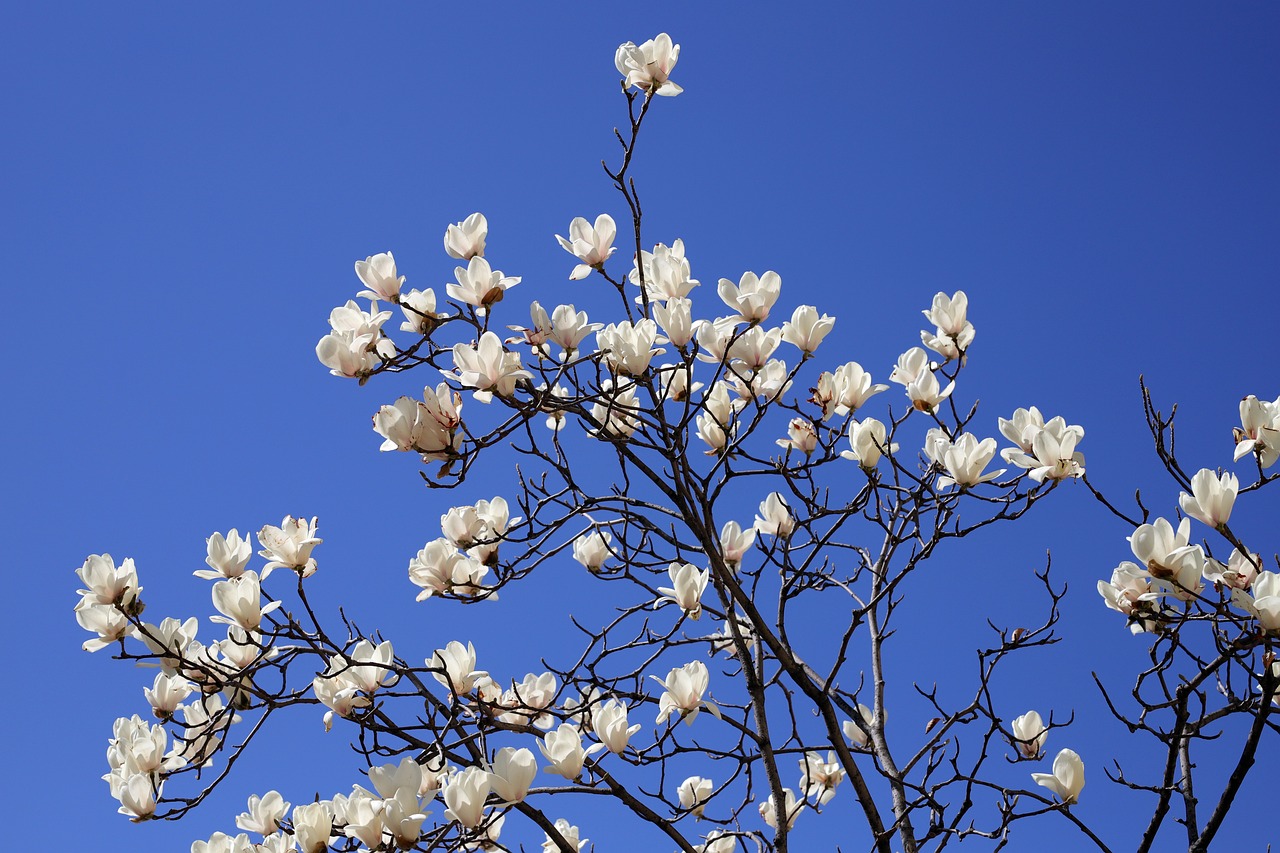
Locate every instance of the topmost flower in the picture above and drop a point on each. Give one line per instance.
(647, 67)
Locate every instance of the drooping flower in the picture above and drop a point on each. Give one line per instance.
(465, 240)
(590, 244)
(648, 66)
(1067, 779)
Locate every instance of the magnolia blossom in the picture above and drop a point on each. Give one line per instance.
(378, 274)
(693, 794)
(356, 344)
(1265, 602)
(683, 691)
(964, 460)
(166, 693)
(1029, 734)
(455, 667)
(419, 310)
(735, 542)
(755, 347)
(313, 826)
(1259, 431)
(591, 549)
(565, 327)
(428, 427)
(564, 829)
(845, 390)
(688, 582)
(806, 329)
(629, 347)
(818, 778)
(289, 546)
(439, 569)
(239, 600)
(676, 320)
(718, 841)
(717, 424)
(915, 373)
(775, 518)
(648, 67)
(264, 814)
(856, 732)
(869, 442)
(479, 285)
(954, 332)
(590, 244)
(465, 794)
(1067, 779)
(791, 809)
(753, 296)
(563, 748)
(801, 435)
(106, 584)
(1021, 429)
(609, 721)
(488, 368)
(616, 413)
(529, 699)
(465, 240)
(338, 691)
(1130, 593)
(665, 271)
(511, 773)
(1239, 572)
(372, 666)
(723, 639)
(1211, 497)
(227, 557)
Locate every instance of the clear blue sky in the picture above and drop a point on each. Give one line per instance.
(184, 190)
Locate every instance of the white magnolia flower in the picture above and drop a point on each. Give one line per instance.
(791, 809)
(616, 413)
(239, 600)
(735, 542)
(563, 748)
(629, 347)
(456, 667)
(465, 240)
(845, 390)
(591, 549)
(806, 330)
(372, 666)
(465, 794)
(1067, 779)
(954, 332)
(856, 732)
(227, 557)
(775, 518)
(529, 700)
(1029, 734)
(590, 244)
(1259, 431)
(428, 426)
(1211, 497)
(419, 310)
(439, 569)
(693, 794)
(264, 814)
(666, 273)
(566, 831)
(648, 66)
(688, 582)
(512, 773)
(753, 296)
(965, 460)
(1129, 592)
(1264, 605)
(289, 546)
(609, 721)
(479, 285)
(676, 319)
(818, 778)
(755, 347)
(390, 779)
(166, 693)
(801, 436)
(313, 826)
(488, 368)
(378, 274)
(683, 691)
(868, 442)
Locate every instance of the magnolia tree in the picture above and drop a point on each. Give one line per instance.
(639, 438)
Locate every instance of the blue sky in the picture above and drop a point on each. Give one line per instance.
(185, 190)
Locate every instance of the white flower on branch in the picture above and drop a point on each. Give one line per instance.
(629, 347)
(683, 690)
(965, 460)
(954, 333)
(1211, 497)
(676, 319)
(591, 549)
(609, 722)
(806, 329)
(378, 274)
(264, 814)
(666, 273)
(845, 390)
(591, 244)
(419, 310)
(227, 557)
(1029, 734)
(648, 66)
(465, 794)
(868, 443)
(791, 809)
(818, 778)
(752, 297)
(479, 285)
(512, 772)
(488, 368)
(688, 582)
(693, 794)
(775, 518)
(1259, 431)
(569, 833)
(1067, 779)
(563, 748)
(454, 666)
(289, 546)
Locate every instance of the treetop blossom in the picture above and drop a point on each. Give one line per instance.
(479, 285)
(378, 274)
(1029, 732)
(1259, 431)
(753, 296)
(965, 460)
(1211, 498)
(666, 273)
(954, 333)
(289, 546)
(806, 329)
(465, 240)
(648, 66)
(488, 368)
(227, 556)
